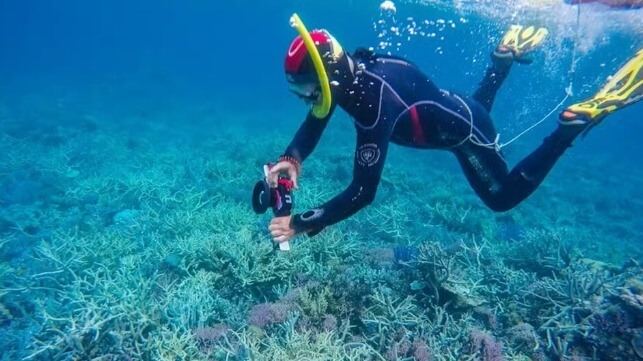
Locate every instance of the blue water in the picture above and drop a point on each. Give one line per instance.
(131, 135)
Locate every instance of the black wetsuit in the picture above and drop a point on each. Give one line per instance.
(391, 100)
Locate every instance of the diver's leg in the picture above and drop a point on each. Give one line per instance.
(623, 89)
(482, 164)
(486, 171)
(517, 42)
(490, 84)
(501, 190)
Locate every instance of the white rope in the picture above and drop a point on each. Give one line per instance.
(500, 146)
(568, 92)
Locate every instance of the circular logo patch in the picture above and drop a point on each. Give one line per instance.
(368, 155)
(311, 214)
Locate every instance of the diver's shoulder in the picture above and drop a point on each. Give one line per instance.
(396, 60)
(368, 56)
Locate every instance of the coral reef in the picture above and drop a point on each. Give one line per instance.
(117, 247)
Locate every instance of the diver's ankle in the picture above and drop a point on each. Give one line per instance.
(501, 61)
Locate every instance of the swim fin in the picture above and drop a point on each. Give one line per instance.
(622, 89)
(519, 41)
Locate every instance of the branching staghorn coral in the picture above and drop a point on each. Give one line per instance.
(388, 315)
(193, 303)
(389, 219)
(452, 213)
(10, 287)
(175, 345)
(323, 257)
(238, 259)
(316, 302)
(566, 302)
(399, 328)
(180, 211)
(80, 334)
(224, 172)
(452, 276)
(444, 333)
(95, 318)
(435, 266)
(541, 251)
(289, 343)
(257, 269)
(106, 310)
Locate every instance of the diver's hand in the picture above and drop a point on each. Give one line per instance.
(282, 167)
(280, 229)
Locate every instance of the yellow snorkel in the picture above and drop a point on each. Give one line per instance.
(322, 108)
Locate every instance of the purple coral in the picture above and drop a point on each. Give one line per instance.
(488, 315)
(614, 321)
(492, 350)
(421, 351)
(207, 337)
(266, 314)
(486, 345)
(523, 336)
(330, 323)
(399, 349)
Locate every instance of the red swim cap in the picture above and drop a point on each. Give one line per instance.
(298, 60)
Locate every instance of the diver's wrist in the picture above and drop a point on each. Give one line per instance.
(299, 225)
(291, 160)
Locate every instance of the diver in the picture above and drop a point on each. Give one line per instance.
(392, 101)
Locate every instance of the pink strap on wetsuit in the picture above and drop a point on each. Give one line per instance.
(418, 132)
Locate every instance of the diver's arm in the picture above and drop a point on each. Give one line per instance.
(370, 155)
(307, 137)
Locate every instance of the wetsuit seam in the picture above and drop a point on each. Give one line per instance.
(384, 82)
(395, 61)
(379, 108)
(471, 135)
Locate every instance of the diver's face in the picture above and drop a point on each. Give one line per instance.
(306, 88)
(308, 92)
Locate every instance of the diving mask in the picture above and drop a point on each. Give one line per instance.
(305, 86)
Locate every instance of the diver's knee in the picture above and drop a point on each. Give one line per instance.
(498, 204)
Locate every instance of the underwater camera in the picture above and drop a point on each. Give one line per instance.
(279, 198)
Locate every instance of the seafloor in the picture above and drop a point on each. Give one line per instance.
(130, 237)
